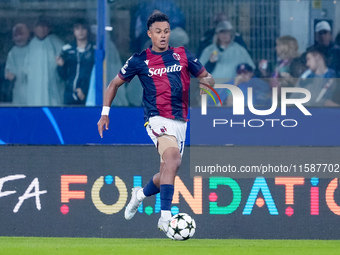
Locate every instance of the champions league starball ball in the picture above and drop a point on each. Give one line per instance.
(181, 227)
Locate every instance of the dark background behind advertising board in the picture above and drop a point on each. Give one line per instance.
(48, 163)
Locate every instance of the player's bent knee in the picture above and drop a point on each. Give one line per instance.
(172, 158)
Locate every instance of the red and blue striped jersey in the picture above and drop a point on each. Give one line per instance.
(165, 77)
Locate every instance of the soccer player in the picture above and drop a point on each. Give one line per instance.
(165, 76)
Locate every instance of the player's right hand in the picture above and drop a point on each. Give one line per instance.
(104, 121)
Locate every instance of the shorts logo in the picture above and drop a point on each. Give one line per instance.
(176, 56)
(163, 129)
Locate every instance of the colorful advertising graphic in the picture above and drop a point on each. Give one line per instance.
(82, 191)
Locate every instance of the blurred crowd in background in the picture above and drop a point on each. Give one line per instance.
(43, 70)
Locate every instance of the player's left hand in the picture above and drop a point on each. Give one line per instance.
(104, 121)
(202, 92)
(203, 81)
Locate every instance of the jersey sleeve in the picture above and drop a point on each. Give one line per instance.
(129, 70)
(194, 65)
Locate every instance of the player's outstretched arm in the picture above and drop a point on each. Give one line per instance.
(110, 94)
(206, 78)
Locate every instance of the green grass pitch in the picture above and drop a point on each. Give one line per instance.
(102, 246)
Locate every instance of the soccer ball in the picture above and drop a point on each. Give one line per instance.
(181, 227)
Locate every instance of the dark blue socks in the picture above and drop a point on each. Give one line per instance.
(150, 189)
(167, 192)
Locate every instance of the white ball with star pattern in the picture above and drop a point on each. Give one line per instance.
(181, 227)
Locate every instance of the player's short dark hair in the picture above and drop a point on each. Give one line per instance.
(157, 17)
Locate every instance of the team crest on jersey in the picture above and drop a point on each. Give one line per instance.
(176, 56)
